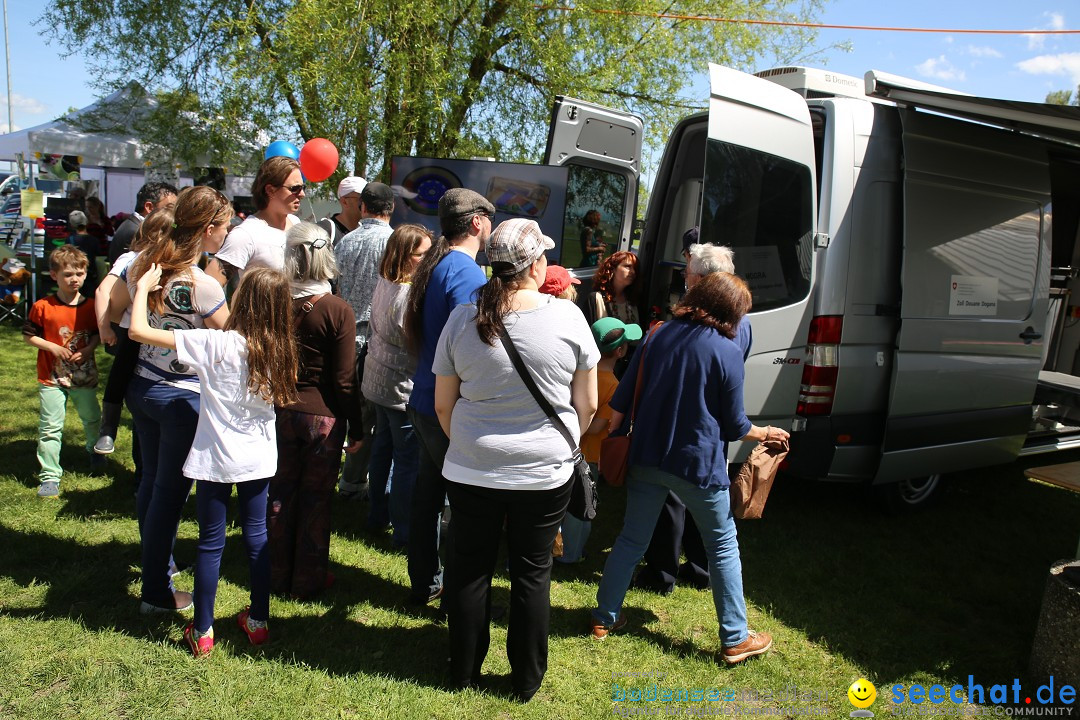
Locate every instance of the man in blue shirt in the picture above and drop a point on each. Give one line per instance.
(447, 277)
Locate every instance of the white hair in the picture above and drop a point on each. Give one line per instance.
(303, 261)
(706, 259)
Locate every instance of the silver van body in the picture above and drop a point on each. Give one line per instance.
(900, 262)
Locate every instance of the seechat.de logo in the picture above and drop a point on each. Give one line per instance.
(862, 695)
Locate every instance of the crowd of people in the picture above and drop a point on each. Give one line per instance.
(253, 354)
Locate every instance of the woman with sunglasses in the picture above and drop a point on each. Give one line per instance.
(259, 241)
(310, 431)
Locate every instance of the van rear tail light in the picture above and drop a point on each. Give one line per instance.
(821, 367)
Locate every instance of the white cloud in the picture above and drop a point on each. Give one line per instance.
(1060, 64)
(1054, 21)
(4, 128)
(940, 68)
(983, 52)
(22, 103)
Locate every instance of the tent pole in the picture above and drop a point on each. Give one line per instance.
(7, 65)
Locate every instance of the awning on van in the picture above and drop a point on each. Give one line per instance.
(1056, 122)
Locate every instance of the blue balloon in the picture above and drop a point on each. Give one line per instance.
(282, 147)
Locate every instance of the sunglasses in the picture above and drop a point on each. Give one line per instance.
(318, 243)
(295, 189)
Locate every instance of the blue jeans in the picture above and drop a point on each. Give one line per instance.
(646, 489)
(165, 420)
(212, 500)
(391, 495)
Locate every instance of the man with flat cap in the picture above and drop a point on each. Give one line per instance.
(448, 276)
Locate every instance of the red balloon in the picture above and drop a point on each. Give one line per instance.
(318, 159)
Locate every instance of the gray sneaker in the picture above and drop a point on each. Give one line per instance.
(49, 489)
(105, 445)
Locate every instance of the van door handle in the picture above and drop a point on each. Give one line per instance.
(1029, 335)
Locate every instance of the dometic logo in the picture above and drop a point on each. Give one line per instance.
(1012, 693)
(862, 695)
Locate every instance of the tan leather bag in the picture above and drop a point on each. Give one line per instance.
(750, 488)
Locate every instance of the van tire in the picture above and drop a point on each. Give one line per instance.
(909, 496)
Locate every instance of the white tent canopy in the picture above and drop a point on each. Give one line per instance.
(115, 145)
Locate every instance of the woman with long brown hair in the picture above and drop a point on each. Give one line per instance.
(243, 372)
(616, 287)
(163, 395)
(388, 372)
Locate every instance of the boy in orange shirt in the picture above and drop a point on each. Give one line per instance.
(63, 327)
(612, 337)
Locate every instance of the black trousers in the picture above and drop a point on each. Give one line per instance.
(429, 497)
(532, 519)
(674, 535)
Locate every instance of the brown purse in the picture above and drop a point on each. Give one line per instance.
(615, 451)
(750, 488)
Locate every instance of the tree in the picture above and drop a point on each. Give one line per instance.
(1063, 97)
(454, 78)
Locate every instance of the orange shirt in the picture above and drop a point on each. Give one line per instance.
(72, 326)
(605, 388)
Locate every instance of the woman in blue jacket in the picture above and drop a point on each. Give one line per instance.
(690, 408)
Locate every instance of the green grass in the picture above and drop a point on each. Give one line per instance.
(846, 591)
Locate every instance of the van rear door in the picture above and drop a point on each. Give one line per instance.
(601, 148)
(975, 281)
(759, 198)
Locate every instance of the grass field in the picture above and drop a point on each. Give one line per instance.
(845, 590)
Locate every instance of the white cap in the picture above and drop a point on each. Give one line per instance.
(350, 184)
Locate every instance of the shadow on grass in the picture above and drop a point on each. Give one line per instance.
(956, 588)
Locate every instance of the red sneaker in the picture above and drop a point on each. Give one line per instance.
(256, 630)
(200, 645)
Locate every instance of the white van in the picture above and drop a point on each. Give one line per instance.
(910, 289)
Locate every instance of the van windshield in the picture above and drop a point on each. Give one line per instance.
(760, 205)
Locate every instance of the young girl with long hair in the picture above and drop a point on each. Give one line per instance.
(163, 395)
(242, 373)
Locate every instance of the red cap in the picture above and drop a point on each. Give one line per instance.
(557, 280)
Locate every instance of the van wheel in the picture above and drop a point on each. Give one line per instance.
(909, 495)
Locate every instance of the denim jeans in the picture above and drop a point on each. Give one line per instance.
(165, 420)
(212, 499)
(391, 494)
(646, 489)
(429, 498)
(354, 472)
(51, 424)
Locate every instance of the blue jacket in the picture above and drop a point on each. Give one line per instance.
(691, 403)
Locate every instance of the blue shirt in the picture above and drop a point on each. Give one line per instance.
(454, 281)
(691, 403)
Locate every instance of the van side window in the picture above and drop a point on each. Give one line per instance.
(594, 211)
(760, 205)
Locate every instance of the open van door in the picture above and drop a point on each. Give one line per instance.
(759, 198)
(975, 284)
(601, 149)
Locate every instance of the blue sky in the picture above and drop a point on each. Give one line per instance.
(1018, 67)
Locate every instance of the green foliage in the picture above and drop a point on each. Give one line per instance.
(1063, 97)
(386, 77)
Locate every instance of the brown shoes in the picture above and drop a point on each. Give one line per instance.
(754, 644)
(600, 631)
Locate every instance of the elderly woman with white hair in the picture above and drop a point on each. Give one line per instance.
(311, 431)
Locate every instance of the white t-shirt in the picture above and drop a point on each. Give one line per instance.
(119, 269)
(500, 438)
(188, 302)
(253, 244)
(236, 438)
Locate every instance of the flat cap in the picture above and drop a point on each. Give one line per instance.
(456, 202)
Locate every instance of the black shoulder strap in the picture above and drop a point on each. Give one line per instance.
(527, 378)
